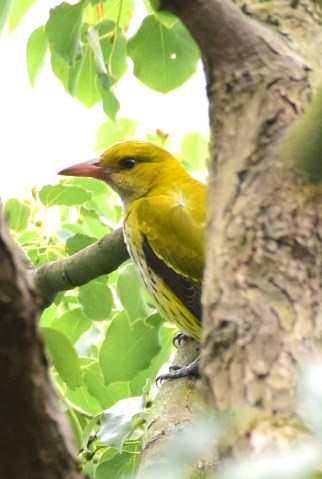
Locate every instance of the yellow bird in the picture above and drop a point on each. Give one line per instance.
(164, 222)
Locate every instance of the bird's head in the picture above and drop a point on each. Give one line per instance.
(131, 168)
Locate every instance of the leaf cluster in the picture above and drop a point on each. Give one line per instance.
(90, 48)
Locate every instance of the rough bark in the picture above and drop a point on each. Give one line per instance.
(177, 404)
(297, 23)
(35, 440)
(262, 286)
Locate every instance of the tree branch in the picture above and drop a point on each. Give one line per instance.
(102, 257)
(35, 438)
(176, 405)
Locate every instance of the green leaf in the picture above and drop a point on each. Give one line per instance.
(118, 56)
(70, 77)
(166, 17)
(116, 422)
(44, 254)
(63, 356)
(94, 382)
(111, 105)
(106, 395)
(72, 324)
(48, 315)
(94, 43)
(96, 187)
(5, 6)
(76, 419)
(62, 71)
(117, 391)
(78, 242)
(109, 48)
(158, 360)
(63, 195)
(92, 223)
(96, 299)
(17, 214)
(28, 238)
(90, 77)
(113, 48)
(36, 51)
(122, 466)
(80, 80)
(133, 344)
(111, 132)
(194, 150)
(82, 399)
(84, 80)
(131, 294)
(18, 11)
(64, 31)
(164, 58)
(108, 207)
(123, 17)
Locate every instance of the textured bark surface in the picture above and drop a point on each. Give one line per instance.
(298, 23)
(177, 404)
(262, 287)
(35, 440)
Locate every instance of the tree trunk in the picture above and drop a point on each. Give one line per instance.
(262, 285)
(176, 405)
(36, 442)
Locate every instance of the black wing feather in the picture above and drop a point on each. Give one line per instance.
(188, 291)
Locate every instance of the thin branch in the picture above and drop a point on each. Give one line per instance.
(102, 257)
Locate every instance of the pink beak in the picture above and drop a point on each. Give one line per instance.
(90, 168)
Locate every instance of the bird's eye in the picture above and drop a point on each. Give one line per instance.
(128, 163)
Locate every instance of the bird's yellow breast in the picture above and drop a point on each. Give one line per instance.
(167, 303)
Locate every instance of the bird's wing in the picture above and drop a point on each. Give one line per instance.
(175, 233)
(187, 290)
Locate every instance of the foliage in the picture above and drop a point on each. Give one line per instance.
(105, 339)
(90, 48)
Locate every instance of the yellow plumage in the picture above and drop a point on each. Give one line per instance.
(164, 220)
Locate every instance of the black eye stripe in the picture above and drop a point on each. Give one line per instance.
(128, 163)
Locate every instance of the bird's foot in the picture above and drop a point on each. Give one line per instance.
(179, 338)
(176, 372)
